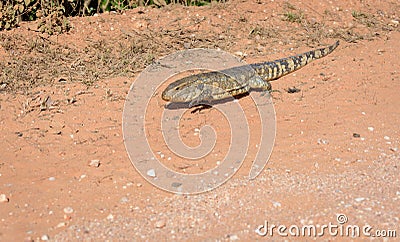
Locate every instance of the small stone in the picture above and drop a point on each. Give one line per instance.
(52, 178)
(395, 22)
(151, 173)
(110, 217)
(323, 141)
(124, 200)
(45, 237)
(371, 129)
(394, 149)
(386, 138)
(239, 53)
(233, 237)
(62, 224)
(276, 204)
(68, 210)
(160, 224)
(94, 163)
(359, 199)
(356, 135)
(4, 198)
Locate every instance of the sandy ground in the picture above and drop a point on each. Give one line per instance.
(337, 141)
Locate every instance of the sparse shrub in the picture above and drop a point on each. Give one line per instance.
(52, 14)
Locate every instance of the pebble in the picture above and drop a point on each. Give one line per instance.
(151, 173)
(371, 129)
(233, 237)
(160, 224)
(52, 178)
(62, 224)
(323, 141)
(68, 210)
(359, 199)
(386, 138)
(110, 217)
(276, 204)
(124, 200)
(4, 198)
(94, 163)
(241, 54)
(45, 237)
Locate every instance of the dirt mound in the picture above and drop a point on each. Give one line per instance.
(64, 171)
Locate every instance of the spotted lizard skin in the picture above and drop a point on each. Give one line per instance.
(217, 85)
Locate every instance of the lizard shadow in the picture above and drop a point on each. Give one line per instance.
(204, 105)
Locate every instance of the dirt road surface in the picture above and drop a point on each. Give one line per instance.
(337, 142)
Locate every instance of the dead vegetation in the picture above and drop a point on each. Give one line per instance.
(40, 60)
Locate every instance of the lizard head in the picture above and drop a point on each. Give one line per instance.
(183, 90)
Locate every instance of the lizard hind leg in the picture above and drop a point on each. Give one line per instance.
(260, 84)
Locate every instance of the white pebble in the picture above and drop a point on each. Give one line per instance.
(160, 224)
(68, 210)
(94, 163)
(110, 217)
(60, 225)
(3, 198)
(124, 200)
(386, 138)
(45, 237)
(371, 128)
(52, 178)
(233, 237)
(151, 173)
(359, 199)
(276, 204)
(323, 141)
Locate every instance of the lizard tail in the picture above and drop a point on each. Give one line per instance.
(278, 68)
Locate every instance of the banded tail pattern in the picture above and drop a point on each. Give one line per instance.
(274, 69)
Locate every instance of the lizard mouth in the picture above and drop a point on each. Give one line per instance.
(165, 97)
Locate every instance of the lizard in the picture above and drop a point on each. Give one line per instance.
(217, 85)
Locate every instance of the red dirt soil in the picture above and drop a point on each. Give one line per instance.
(318, 168)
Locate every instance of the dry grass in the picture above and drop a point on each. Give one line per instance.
(34, 61)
